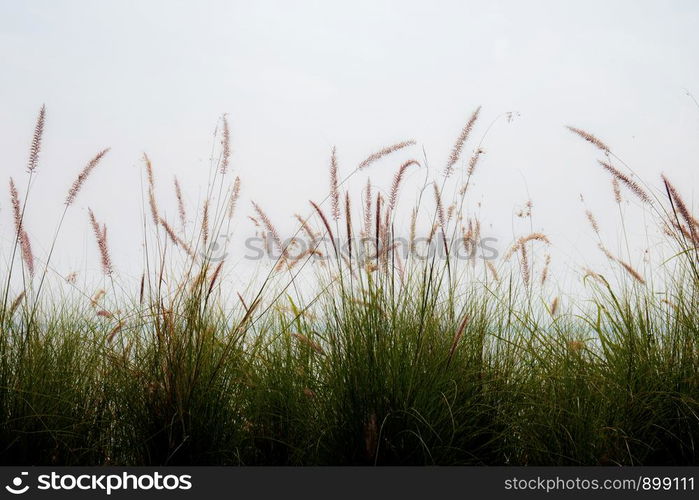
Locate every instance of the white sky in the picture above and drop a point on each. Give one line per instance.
(297, 77)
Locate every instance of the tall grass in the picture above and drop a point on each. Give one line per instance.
(388, 359)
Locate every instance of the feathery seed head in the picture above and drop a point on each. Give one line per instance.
(384, 152)
(460, 142)
(35, 147)
(589, 138)
(82, 177)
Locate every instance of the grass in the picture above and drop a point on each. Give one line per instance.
(388, 360)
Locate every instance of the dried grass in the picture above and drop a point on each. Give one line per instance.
(205, 222)
(460, 142)
(181, 211)
(101, 238)
(226, 143)
(326, 223)
(16, 208)
(269, 226)
(589, 138)
(35, 147)
(233, 200)
(27, 254)
(334, 186)
(384, 152)
(593, 221)
(627, 181)
(545, 271)
(397, 178)
(367, 209)
(681, 207)
(82, 177)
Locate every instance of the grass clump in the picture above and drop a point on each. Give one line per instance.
(353, 348)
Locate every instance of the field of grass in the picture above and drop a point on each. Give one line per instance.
(388, 359)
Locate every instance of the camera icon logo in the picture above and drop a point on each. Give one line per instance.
(16, 487)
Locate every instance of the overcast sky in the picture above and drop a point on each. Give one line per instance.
(297, 77)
